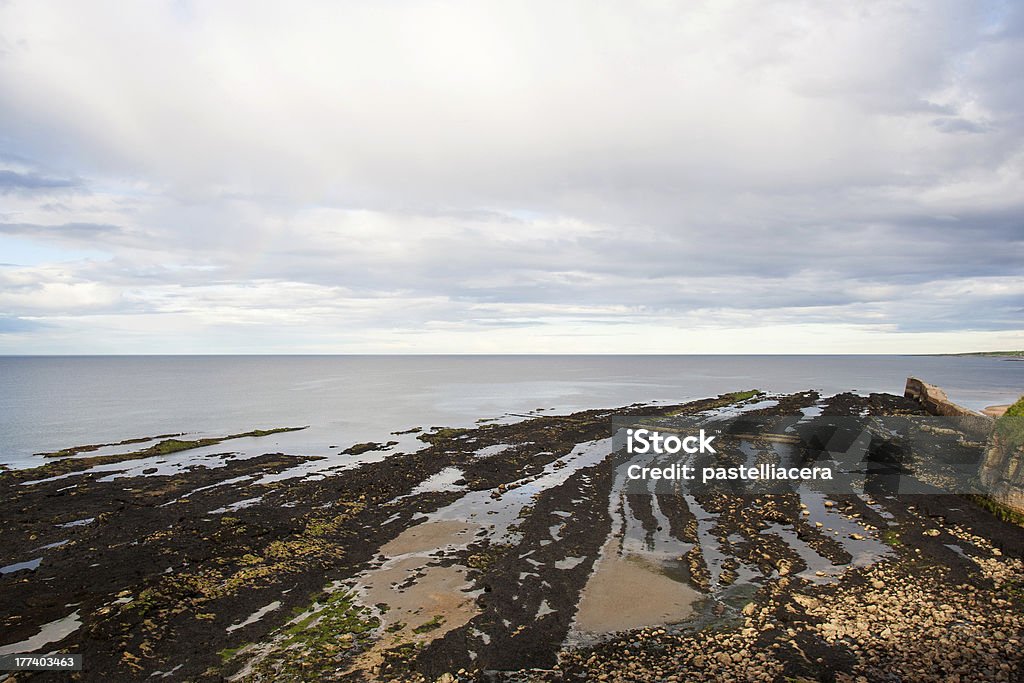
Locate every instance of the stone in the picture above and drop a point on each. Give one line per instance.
(806, 602)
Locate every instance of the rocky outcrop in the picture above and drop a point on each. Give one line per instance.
(1001, 473)
(935, 401)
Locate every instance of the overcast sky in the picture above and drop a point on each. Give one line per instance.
(620, 177)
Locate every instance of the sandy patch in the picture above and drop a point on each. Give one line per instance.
(430, 536)
(417, 595)
(995, 411)
(424, 601)
(628, 592)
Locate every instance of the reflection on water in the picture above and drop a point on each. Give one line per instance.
(52, 632)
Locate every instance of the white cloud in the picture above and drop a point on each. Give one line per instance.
(46, 290)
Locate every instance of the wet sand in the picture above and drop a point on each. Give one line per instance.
(630, 592)
(430, 536)
(424, 598)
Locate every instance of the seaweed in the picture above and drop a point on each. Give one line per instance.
(68, 464)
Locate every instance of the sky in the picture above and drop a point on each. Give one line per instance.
(511, 177)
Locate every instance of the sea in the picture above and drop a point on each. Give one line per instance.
(48, 403)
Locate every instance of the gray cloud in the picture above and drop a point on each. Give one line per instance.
(958, 125)
(630, 166)
(11, 181)
(9, 325)
(62, 231)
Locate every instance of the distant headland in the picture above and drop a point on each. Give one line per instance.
(995, 354)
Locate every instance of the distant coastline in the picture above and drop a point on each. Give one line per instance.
(1015, 355)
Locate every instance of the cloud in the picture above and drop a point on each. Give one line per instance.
(953, 124)
(64, 231)
(351, 173)
(12, 325)
(11, 181)
(28, 292)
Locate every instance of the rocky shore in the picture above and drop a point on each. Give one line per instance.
(493, 553)
(908, 618)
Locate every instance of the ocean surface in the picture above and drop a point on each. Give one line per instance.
(49, 403)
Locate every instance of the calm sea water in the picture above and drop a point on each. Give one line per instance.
(47, 403)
